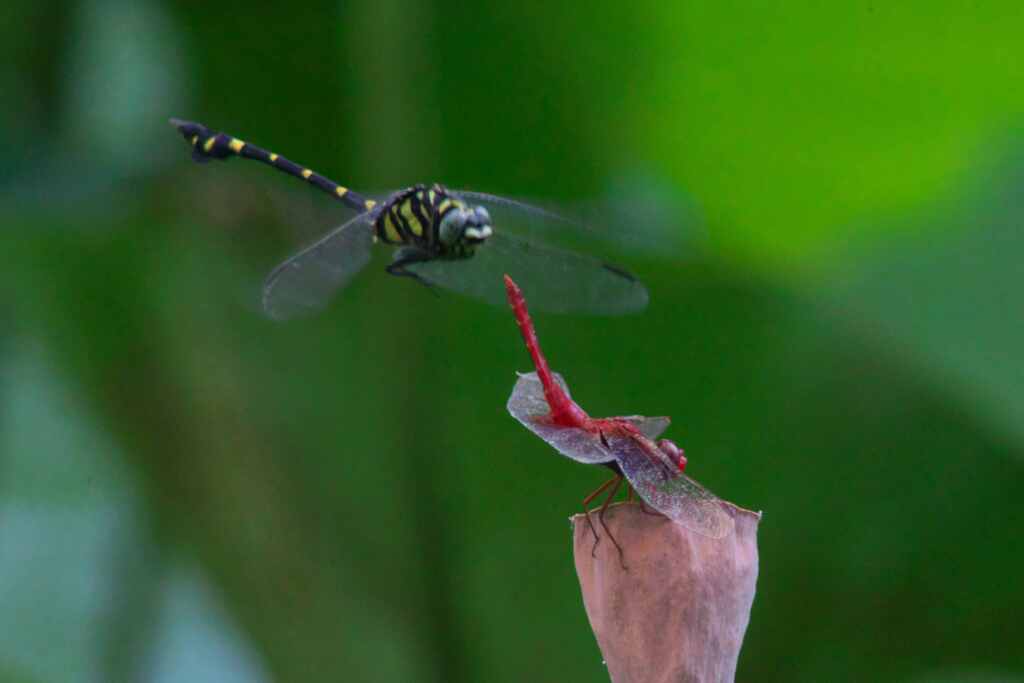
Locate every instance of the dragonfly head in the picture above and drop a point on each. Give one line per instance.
(467, 225)
(674, 452)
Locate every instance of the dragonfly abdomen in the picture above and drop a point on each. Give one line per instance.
(208, 144)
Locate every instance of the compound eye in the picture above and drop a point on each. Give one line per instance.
(452, 226)
(674, 452)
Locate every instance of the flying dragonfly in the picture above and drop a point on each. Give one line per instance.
(628, 446)
(459, 240)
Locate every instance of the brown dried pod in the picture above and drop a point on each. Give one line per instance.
(677, 606)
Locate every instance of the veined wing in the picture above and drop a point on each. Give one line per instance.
(525, 216)
(641, 216)
(305, 282)
(659, 482)
(554, 280)
(528, 405)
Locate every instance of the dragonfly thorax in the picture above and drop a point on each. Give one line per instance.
(432, 222)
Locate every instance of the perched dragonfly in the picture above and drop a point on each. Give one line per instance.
(625, 445)
(462, 241)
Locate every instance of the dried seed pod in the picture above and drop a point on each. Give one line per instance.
(679, 609)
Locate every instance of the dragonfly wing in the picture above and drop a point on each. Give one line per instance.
(524, 216)
(554, 280)
(527, 236)
(305, 282)
(528, 405)
(651, 427)
(659, 482)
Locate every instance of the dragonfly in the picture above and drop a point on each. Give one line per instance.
(629, 446)
(459, 240)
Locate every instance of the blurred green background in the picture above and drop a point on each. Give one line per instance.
(825, 200)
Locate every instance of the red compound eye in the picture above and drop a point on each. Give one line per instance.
(673, 451)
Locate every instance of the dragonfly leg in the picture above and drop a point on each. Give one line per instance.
(407, 256)
(600, 518)
(592, 496)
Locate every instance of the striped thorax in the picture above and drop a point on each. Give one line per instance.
(433, 221)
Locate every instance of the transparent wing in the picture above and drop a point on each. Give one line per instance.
(642, 214)
(651, 427)
(305, 282)
(660, 483)
(528, 405)
(520, 215)
(553, 280)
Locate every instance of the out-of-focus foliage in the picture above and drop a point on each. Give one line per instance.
(188, 490)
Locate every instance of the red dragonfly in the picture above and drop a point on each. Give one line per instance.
(625, 445)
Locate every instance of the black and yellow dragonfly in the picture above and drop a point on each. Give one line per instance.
(461, 241)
